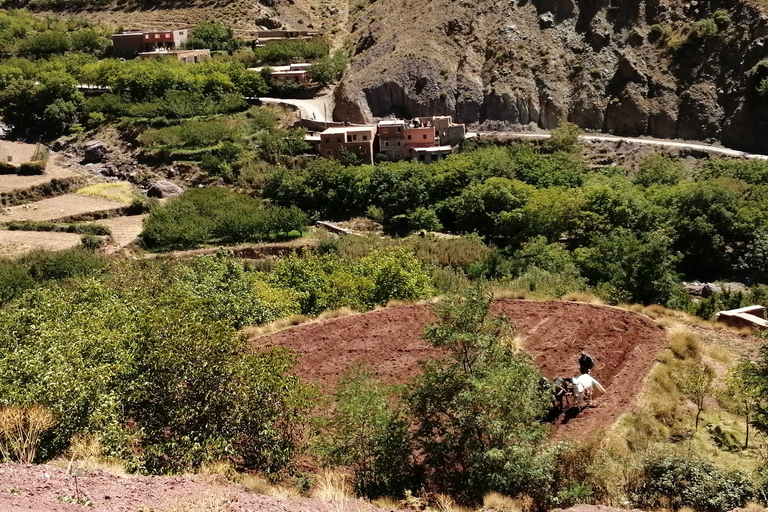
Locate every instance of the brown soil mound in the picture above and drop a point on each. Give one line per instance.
(623, 343)
(49, 489)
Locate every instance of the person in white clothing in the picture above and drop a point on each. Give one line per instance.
(582, 389)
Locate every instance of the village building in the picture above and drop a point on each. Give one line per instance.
(433, 154)
(134, 42)
(355, 139)
(298, 73)
(391, 139)
(187, 56)
(450, 134)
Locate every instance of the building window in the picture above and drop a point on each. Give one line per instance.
(425, 136)
(409, 137)
(338, 140)
(398, 143)
(421, 157)
(157, 36)
(398, 130)
(327, 141)
(386, 143)
(354, 137)
(365, 137)
(328, 152)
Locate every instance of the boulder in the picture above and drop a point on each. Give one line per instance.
(95, 151)
(710, 289)
(163, 189)
(547, 20)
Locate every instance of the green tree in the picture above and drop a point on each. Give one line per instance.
(213, 35)
(478, 411)
(743, 384)
(695, 382)
(565, 137)
(369, 434)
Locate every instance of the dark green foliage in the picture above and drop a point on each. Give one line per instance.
(48, 106)
(659, 170)
(329, 69)
(631, 268)
(370, 435)
(145, 363)
(674, 482)
(754, 172)
(212, 215)
(83, 229)
(14, 280)
(212, 35)
(44, 265)
(285, 51)
(477, 412)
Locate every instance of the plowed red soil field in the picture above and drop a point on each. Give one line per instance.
(623, 343)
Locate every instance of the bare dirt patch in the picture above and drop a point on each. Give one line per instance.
(18, 243)
(61, 207)
(16, 152)
(11, 182)
(49, 489)
(623, 343)
(124, 229)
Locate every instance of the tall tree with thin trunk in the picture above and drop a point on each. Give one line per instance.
(744, 387)
(696, 383)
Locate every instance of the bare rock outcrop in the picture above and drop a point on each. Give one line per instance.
(632, 68)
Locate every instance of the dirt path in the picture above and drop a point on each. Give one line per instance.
(59, 207)
(44, 488)
(17, 243)
(637, 140)
(623, 343)
(317, 109)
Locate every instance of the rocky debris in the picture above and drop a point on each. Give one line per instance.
(547, 20)
(163, 189)
(705, 290)
(94, 152)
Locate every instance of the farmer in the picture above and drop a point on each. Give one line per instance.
(582, 389)
(586, 362)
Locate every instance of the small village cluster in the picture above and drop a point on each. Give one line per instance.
(425, 139)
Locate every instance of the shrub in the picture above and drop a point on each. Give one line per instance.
(674, 482)
(45, 266)
(477, 412)
(370, 436)
(659, 170)
(14, 280)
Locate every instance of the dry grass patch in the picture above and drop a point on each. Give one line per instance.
(198, 503)
(334, 487)
(261, 485)
(684, 344)
(120, 191)
(496, 501)
(256, 331)
(336, 313)
(86, 453)
(589, 298)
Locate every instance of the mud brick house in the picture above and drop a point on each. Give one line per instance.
(187, 56)
(391, 140)
(449, 134)
(131, 43)
(356, 139)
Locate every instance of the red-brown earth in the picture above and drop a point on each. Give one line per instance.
(623, 343)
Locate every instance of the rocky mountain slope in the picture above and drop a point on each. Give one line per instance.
(669, 69)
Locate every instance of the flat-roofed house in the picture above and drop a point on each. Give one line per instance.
(188, 56)
(133, 42)
(355, 139)
(391, 139)
(419, 135)
(433, 154)
(449, 133)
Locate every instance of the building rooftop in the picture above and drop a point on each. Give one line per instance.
(347, 129)
(434, 149)
(392, 122)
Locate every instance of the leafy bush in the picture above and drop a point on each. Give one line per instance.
(477, 412)
(659, 170)
(212, 35)
(285, 51)
(165, 387)
(216, 215)
(674, 482)
(370, 436)
(45, 266)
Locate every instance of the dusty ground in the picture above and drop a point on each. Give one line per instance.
(59, 207)
(124, 229)
(19, 152)
(11, 182)
(17, 243)
(623, 343)
(45, 488)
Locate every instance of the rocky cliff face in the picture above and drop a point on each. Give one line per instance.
(668, 69)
